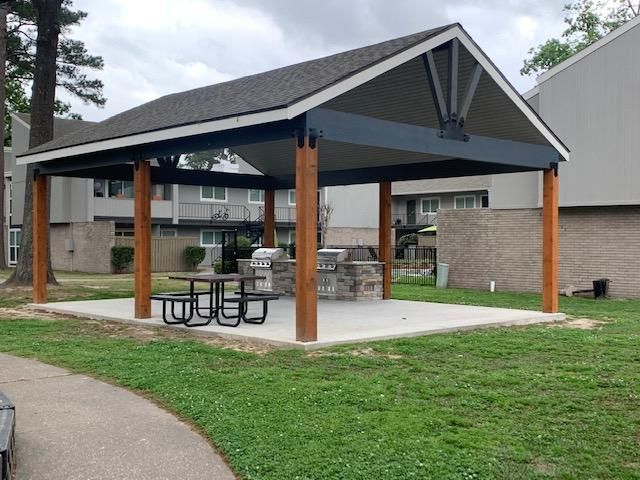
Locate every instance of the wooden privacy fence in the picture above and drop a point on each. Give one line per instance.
(167, 253)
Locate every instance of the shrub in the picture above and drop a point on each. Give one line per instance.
(245, 250)
(121, 257)
(217, 266)
(408, 239)
(242, 241)
(194, 255)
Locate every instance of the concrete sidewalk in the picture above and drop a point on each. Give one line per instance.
(73, 427)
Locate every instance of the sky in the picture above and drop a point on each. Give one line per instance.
(155, 47)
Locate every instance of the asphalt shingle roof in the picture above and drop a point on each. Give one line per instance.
(255, 93)
(61, 126)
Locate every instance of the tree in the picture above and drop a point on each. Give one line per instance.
(324, 217)
(4, 11)
(73, 60)
(206, 159)
(48, 13)
(587, 21)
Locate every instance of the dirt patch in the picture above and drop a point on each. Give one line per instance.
(579, 323)
(27, 313)
(359, 352)
(144, 334)
(543, 467)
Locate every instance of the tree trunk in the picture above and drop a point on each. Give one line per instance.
(4, 11)
(42, 106)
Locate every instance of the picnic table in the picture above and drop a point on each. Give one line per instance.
(216, 308)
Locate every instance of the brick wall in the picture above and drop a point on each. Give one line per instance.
(351, 236)
(92, 242)
(481, 245)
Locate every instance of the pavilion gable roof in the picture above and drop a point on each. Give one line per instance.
(252, 94)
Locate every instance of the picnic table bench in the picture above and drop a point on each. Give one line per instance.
(173, 298)
(216, 308)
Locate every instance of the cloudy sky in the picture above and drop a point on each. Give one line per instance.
(154, 47)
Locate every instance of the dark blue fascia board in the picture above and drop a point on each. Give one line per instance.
(160, 175)
(412, 171)
(373, 132)
(450, 168)
(267, 132)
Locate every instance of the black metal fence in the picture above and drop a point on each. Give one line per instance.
(413, 265)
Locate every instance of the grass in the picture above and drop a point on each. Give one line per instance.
(533, 403)
(86, 286)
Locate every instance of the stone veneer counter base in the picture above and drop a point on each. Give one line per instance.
(353, 280)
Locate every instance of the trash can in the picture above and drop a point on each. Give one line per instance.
(442, 278)
(601, 287)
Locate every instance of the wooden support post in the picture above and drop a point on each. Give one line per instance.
(269, 218)
(142, 232)
(40, 239)
(306, 240)
(550, 241)
(384, 237)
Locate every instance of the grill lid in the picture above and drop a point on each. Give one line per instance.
(333, 255)
(262, 257)
(268, 254)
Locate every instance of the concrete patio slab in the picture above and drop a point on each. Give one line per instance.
(338, 321)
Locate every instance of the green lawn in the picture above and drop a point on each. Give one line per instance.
(534, 402)
(86, 286)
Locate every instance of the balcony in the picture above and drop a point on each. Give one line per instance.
(285, 214)
(123, 208)
(413, 219)
(214, 212)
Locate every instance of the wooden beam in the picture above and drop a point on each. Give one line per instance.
(269, 218)
(40, 239)
(306, 241)
(452, 80)
(384, 237)
(142, 232)
(550, 241)
(469, 92)
(436, 88)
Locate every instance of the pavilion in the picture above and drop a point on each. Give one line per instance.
(428, 105)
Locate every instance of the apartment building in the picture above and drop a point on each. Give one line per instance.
(88, 214)
(592, 102)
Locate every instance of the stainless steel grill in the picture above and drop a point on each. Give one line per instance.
(262, 264)
(328, 259)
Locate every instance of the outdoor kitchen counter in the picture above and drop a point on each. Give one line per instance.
(353, 280)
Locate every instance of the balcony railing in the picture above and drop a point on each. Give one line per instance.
(285, 214)
(413, 219)
(215, 212)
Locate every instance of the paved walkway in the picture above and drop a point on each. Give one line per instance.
(73, 427)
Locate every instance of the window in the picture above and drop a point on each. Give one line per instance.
(9, 192)
(158, 192)
(256, 196)
(292, 237)
(15, 236)
(98, 188)
(168, 232)
(465, 201)
(120, 189)
(215, 194)
(292, 197)
(210, 238)
(429, 205)
(484, 201)
(124, 233)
